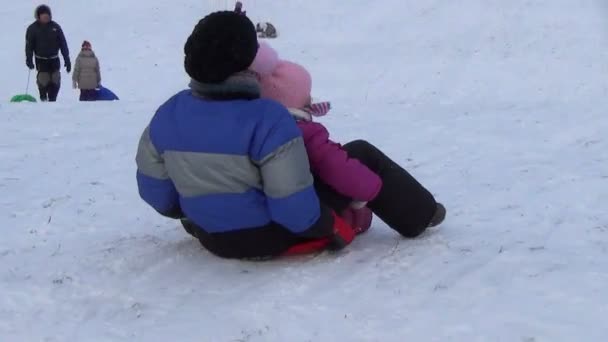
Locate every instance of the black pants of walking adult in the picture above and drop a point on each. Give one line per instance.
(403, 203)
(48, 78)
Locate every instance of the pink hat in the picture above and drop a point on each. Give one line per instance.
(285, 82)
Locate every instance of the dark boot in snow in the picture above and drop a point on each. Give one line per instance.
(42, 80)
(54, 86)
(44, 95)
(439, 216)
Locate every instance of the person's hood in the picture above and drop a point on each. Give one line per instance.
(43, 9)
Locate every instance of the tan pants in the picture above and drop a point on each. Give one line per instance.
(44, 78)
(49, 84)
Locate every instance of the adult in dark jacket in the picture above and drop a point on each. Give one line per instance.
(238, 8)
(43, 41)
(232, 166)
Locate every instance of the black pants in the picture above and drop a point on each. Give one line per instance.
(49, 78)
(403, 203)
(88, 95)
(259, 243)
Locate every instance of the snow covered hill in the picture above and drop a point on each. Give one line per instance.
(498, 107)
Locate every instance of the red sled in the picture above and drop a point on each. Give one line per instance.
(344, 234)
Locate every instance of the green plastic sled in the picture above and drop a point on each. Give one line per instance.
(23, 98)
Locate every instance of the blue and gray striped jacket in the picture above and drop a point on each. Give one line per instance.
(228, 165)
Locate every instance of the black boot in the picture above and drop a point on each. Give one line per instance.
(43, 79)
(53, 92)
(54, 86)
(439, 216)
(43, 95)
(403, 203)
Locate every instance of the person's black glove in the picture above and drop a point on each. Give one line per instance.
(29, 64)
(68, 66)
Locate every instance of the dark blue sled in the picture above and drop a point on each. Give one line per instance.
(105, 94)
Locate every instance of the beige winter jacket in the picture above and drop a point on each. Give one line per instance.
(86, 71)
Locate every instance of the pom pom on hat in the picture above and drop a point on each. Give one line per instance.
(266, 60)
(285, 82)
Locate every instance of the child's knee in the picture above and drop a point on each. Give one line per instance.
(43, 79)
(358, 144)
(358, 148)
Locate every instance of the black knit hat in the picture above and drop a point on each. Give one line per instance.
(223, 43)
(43, 9)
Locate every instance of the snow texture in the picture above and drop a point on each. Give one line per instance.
(498, 107)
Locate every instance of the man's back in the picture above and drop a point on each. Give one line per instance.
(214, 153)
(231, 166)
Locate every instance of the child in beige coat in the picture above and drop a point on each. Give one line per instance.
(86, 76)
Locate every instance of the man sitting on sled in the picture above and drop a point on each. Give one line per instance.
(231, 166)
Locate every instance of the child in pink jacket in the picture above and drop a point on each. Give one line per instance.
(357, 177)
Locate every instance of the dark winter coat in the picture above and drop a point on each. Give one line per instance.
(235, 166)
(44, 41)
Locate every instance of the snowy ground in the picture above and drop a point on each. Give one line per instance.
(499, 107)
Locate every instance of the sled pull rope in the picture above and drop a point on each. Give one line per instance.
(27, 87)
